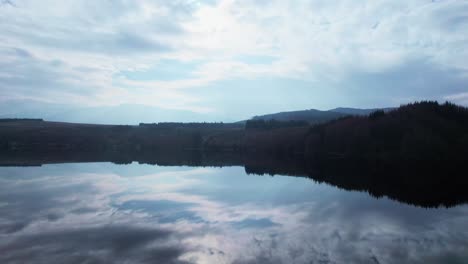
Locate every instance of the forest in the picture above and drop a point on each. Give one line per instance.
(418, 131)
(405, 153)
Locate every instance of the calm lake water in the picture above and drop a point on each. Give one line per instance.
(102, 212)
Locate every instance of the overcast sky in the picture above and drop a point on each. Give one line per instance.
(229, 60)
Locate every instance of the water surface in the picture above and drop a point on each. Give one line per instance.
(102, 212)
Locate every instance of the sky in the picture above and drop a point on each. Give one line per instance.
(125, 61)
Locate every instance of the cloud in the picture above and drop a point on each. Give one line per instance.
(77, 47)
(82, 52)
(116, 244)
(7, 2)
(460, 98)
(107, 217)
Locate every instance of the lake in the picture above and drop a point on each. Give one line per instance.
(135, 213)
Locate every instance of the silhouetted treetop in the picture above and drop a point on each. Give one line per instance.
(421, 130)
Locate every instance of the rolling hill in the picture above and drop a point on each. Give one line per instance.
(314, 116)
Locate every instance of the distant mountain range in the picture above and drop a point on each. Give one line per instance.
(314, 116)
(134, 114)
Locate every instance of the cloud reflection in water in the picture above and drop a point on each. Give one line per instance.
(113, 213)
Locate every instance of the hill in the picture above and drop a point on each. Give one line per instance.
(314, 116)
(418, 131)
(425, 130)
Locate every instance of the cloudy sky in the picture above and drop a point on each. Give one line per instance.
(227, 60)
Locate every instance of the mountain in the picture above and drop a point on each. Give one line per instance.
(315, 116)
(132, 114)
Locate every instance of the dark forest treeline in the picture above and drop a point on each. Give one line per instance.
(273, 124)
(21, 119)
(413, 154)
(21, 136)
(419, 131)
(192, 125)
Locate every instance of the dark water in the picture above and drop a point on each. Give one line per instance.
(107, 213)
